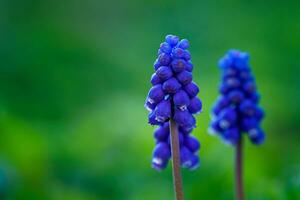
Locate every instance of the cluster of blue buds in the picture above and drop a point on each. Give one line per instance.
(236, 111)
(174, 96)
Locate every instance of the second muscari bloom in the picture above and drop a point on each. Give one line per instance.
(174, 95)
(236, 111)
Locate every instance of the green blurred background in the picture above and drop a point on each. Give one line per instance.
(74, 76)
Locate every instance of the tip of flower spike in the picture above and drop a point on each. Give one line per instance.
(172, 40)
(234, 53)
(235, 59)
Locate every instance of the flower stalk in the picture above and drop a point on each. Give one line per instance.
(239, 186)
(177, 179)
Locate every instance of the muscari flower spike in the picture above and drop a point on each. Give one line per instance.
(236, 111)
(174, 95)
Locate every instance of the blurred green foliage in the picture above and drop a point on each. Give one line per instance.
(74, 76)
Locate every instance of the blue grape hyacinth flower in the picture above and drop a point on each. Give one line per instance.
(174, 96)
(236, 111)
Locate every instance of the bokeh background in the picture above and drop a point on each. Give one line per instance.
(74, 76)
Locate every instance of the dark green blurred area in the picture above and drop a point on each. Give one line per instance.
(74, 76)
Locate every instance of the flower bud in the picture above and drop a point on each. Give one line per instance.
(178, 65)
(185, 130)
(191, 143)
(249, 87)
(236, 96)
(220, 104)
(215, 127)
(231, 136)
(181, 99)
(184, 118)
(189, 66)
(164, 59)
(185, 157)
(225, 62)
(165, 47)
(171, 86)
(227, 118)
(195, 162)
(256, 136)
(163, 111)
(188, 159)
(232, 83)
(162, 132)
(191, 89)
(254, 97)
(184, 44)
(178, 53)
(149, 106)
(156, 64)
(247, 108)
(187, 55)
(156, 94)
(161, 156)
(259, 113)
(155, 79)
(195, 105)
(249, 123)
(164, 73)
(172, 40)
(184, 77)
(152, 119)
